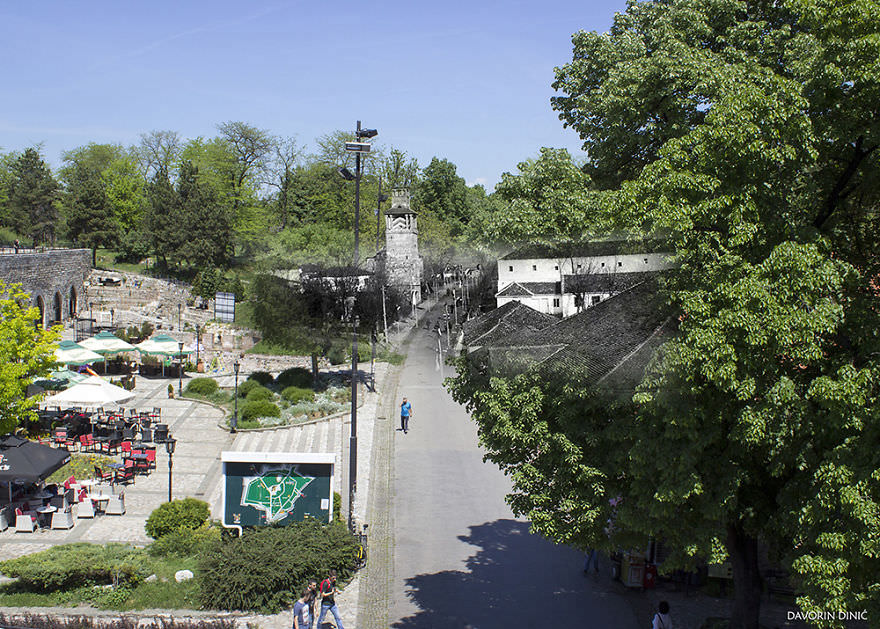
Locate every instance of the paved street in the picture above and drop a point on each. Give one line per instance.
(460, 558)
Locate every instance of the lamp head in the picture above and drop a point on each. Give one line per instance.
(170, 444)
(346, 173)
(367, 133)
(235, 366)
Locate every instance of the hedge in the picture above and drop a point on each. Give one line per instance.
(259, 393)
(247, 386)
(263, 377)
(74, 565)
(169, 517)
(296, 394)
(295, 377)
(186, 542)
(259, 408)
(265, 568)
(202, 386)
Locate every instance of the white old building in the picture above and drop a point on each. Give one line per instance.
(564, 280)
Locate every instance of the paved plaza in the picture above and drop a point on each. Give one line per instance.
(201, 437)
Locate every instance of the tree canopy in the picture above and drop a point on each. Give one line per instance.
(745, 134)
(26, 351)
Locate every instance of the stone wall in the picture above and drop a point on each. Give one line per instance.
(55, 279)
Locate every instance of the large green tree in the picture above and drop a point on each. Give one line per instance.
(550, 199)
(32, 196)
(26, 351)
(746, 133)
(87, 210)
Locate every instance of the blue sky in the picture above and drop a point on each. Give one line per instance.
(465, 81)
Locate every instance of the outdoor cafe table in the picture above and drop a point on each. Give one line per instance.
(45, 512)
(100, 501)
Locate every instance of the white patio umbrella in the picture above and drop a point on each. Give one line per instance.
(107, 344)
(162, 345)
(92, 391)
(70, 353)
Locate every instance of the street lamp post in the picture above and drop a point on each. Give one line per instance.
(198, 331)
(179, 316)
(170, 443)
(357, 147)
(179, 368)
(235, 367)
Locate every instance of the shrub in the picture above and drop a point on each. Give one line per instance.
(295, 377)
(74, 565)
(259, 393)
(177, 515)
(247, 386)
(185, 542)
(259, 408)
(202, 386)
(263, 377)
(336, 355)
(296, 394)
(263, 568)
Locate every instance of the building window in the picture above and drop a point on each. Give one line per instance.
(620, 264)
(579, 266)
(556, 302)
(646, 260)
(534, 267)
(603, 265)
(595, 299)
(556, 267)
(510, 268)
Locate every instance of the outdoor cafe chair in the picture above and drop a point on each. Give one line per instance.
(71, 480)
(87, 443)
(125, 447)
(85, 508)
(126, 474)
(102, 475)
(63, 519)
(116, 504)
(25, 522)
(4, 518)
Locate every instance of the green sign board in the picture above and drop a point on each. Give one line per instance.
(263, 488)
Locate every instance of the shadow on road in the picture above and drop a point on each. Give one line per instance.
(515, 579)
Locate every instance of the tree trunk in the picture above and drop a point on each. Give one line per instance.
(747, 582)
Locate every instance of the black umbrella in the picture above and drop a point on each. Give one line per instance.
(28, 462)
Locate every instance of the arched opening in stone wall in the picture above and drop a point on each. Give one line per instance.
(42, 308)
(56, 311)
(72, 309)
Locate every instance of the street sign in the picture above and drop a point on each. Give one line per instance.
(276, 488)
(358, 147)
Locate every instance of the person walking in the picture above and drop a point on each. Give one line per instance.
(312, 603)
(405, 414)
(591, 556)
(328, 600)
(662, 620)
(300, 611)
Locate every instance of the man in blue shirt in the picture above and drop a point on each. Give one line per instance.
(405, 414)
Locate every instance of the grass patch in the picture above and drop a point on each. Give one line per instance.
(80, 466)
(106, 259)
(278, 349)
(164, 593)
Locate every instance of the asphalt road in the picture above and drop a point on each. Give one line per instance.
(460, 557)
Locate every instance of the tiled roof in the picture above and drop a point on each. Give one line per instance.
(611, 282)
(496, 325)
(527, 289)
(513, 290)
(587, 249)
(613, 340)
